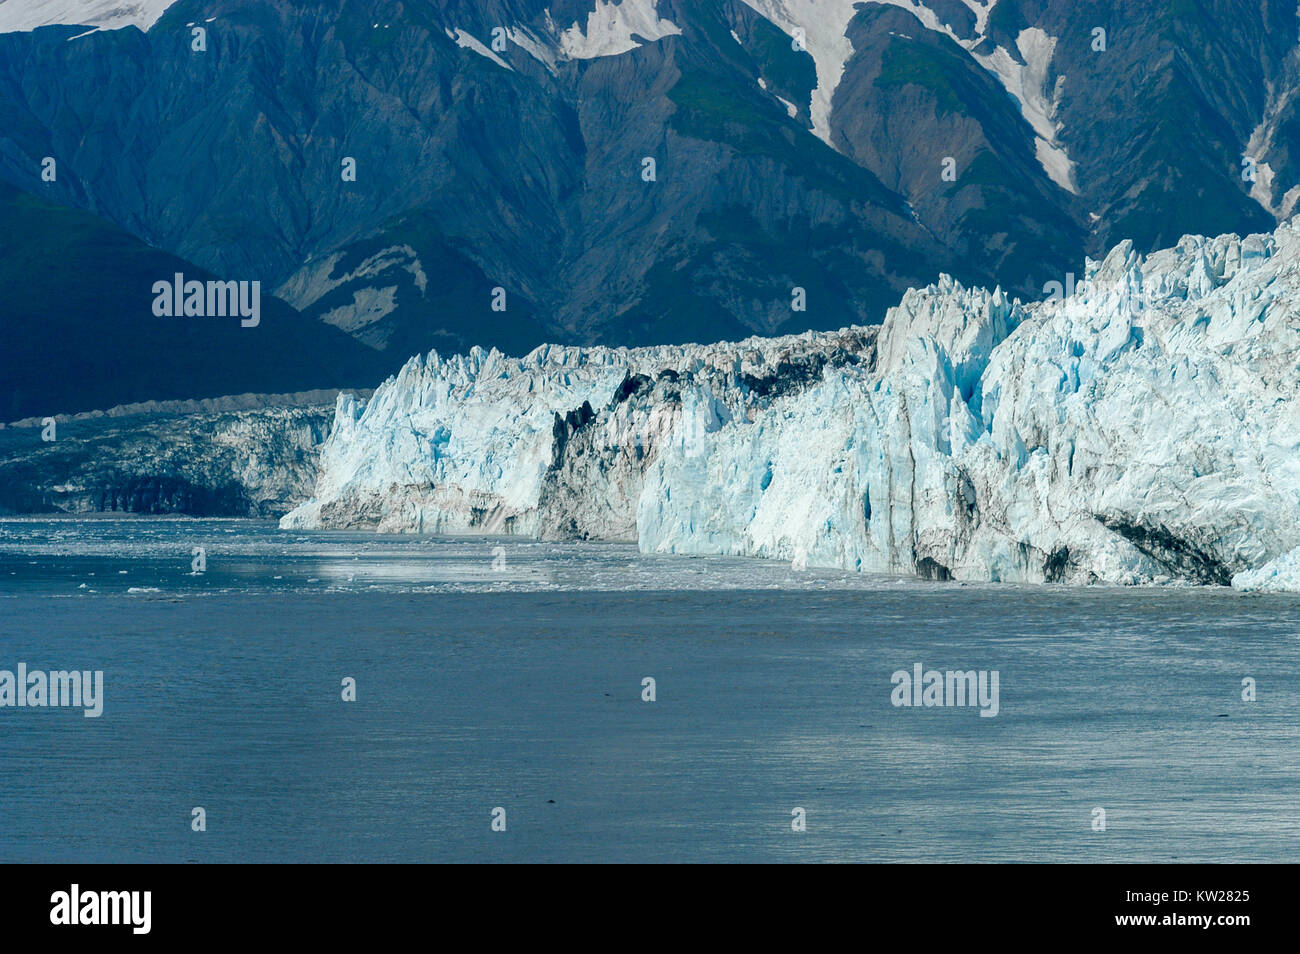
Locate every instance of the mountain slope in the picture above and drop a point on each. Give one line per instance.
(517, 170)
(649, 171)
(79, 332)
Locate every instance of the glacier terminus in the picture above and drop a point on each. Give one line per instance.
(1142, 430)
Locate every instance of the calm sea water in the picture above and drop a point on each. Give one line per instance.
(482, 685)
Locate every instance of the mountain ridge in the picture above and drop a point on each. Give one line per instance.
(648, 171)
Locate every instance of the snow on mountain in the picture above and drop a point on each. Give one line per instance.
(823, 24)
(533, 45)
(468, 41)
(1261, 143)
(1027, 84)
(22, 15)
(981, 9)
(1146, 429)
(1023, 72)
(612, 28)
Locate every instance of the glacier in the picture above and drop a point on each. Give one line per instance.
(248, 455)
(1143, 429)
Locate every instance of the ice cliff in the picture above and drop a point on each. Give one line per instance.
(1143, 429)
(554, 445)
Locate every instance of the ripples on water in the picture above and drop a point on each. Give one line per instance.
(521, 687)
(41, 555)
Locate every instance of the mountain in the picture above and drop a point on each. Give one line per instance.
(79, 330)
(473, 172)
(640, 172)
(1141, 430)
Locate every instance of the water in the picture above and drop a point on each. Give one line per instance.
(520, 687)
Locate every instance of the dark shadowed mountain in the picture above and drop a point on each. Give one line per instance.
(80, 333)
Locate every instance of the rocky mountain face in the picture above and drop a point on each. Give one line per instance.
(1073, 126)
(449, 173)
(523, 171)
(1143, 429)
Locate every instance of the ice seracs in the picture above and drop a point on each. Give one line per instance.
(554, 444)
(1146, 429)
(1276, 576)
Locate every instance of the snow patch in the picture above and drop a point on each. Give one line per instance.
(469, 42)
(368, 306)
(1259, 145)
(825, 21)
(1027, 84)
(533, 46)
(981, 9)
(612, 27)
(17, 16)
(313, 281)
